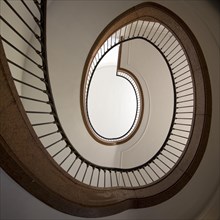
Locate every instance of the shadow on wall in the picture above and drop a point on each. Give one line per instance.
(216, 4)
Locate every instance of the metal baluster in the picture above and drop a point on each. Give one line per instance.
(53, 143)
(60, 151)
(78, 169)
(46, 135)
(25, 23)
(19, 51)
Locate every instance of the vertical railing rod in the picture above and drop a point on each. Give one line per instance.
(142, 177)
(125, 31)
(181, 124)
(35, 100)
(119, 36)
(158, 45)
(60, 151)
(19, 51)
(98, 177)
(155, 32)
(131, 25)
(187, 77)
(123, 179)
(91, 176)
(107, 43)
(175, 55)
(85, 173)
(78, 169)
(179, 69)
(129, 179)
(12, 8)
(151, 30)
(34, 17)
(135, 28)
(174, 147)
(150, 166)
(44, 123)
(167, 158)
(146, 29)
(183, 90)
(172, 153)
(158, 167)
(136, 178)
(29, 85)
(187, 71)
(25, 70)
(72, 164)
(110, 173)
(65, 159)
(148, 174)
(169, 45)
(178, 64)
(177, 87)
(104, 178)
(38, 6)
(116, 178)
(164, 163)
(45, 135)
(154, 42)
(112, 41)
(12, 28)
(166, 43)
(53, 143)
(172, 49)
(38, 112)
(140, 28)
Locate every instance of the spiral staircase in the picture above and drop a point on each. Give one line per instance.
(59, 159)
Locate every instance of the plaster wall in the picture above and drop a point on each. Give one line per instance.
(199, 199)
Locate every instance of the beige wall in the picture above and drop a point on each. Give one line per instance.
(199, 199)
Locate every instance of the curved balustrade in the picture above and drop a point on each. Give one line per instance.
(31, 63)
(177, 139)
(120, 72)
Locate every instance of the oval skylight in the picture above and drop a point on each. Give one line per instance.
(113, 99)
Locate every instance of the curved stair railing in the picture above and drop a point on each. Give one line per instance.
(108, 185)
(177, 139)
